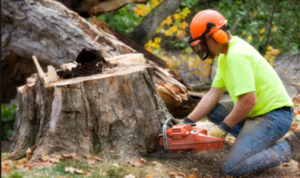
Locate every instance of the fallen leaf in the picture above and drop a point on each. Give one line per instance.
(28, 154)
(97, 158)
(57, 156)
(129, 176)
(73, 155)
(138, 162)
(159, 165)
(294, 126)
(91, 161)
(70, 170)
(66, 156)
(45, 164)
(116, 165)
(181, 174)
(88, 156)
(154, 162)
(172, 173)
(29, 165)
(299, 166)
(54, 160)
(21, 161)
(79, 171)
(195, 169)
(87, 173)
(4, 169)
(45, 157)
(150, 175)
(192, 176)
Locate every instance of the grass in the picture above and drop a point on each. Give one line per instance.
(105, 169)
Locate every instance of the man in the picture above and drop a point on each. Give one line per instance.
(260, 112)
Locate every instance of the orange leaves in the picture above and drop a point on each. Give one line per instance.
(45, 157)
(138, 162)
(182, 175)
(77, 171)
(167, 21)
(143, 9)
(296, 101)
(294, 126)
(5, 167)
(29, 165)
(92, 159)
(270, 54)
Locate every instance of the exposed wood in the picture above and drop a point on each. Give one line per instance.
(51, 32)
(39, 69)
(118, 110)
(56, 35)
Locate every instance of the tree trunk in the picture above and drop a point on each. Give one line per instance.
(119, 110)
(56, 35)
(50, 31)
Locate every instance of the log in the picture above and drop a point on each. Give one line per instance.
(118, 110)
(56, 35)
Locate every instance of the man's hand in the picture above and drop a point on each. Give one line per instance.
(217, 132)
(189, 121)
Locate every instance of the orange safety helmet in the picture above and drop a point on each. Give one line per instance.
(204, 23)
(199, 25)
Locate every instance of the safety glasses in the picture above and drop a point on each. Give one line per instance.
(199, 44)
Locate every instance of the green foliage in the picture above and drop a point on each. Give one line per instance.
(8, 115)
(248, 18)
(123, 20)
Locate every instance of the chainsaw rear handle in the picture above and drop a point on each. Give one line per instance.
(164, 132)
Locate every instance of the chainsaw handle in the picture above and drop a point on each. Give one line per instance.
(164, 132)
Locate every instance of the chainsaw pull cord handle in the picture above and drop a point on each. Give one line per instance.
(164, 131)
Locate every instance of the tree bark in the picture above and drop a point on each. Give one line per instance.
(55, 35)
(119, 110)
(50, 31)
(147, 28)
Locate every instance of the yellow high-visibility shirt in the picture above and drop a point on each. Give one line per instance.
(243, 70)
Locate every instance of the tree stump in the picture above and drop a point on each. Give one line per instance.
(118, 110)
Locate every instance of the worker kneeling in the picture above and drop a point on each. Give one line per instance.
(260, 112)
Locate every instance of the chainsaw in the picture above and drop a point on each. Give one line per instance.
(186, 138)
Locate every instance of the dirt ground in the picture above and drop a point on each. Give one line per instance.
(204, 164)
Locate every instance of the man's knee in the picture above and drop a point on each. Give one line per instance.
(232, 169)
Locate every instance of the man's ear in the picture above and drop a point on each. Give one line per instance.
(220, 36)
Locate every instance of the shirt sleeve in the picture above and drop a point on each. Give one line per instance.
(218, 81)
(242, 75)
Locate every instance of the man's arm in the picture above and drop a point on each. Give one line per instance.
(242, 108)
(206, 104)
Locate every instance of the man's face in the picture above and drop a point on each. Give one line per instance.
(213, 46)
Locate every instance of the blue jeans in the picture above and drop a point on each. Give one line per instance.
(255, 146)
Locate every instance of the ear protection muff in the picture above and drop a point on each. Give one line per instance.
(220, 35)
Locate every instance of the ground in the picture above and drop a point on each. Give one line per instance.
(203, 164)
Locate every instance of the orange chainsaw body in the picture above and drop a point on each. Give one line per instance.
(188, 138)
